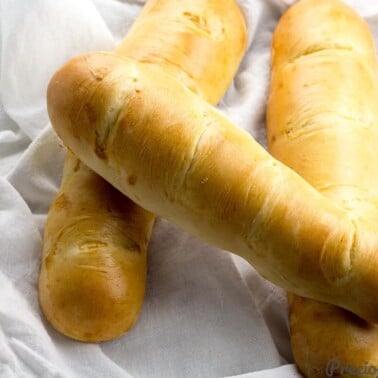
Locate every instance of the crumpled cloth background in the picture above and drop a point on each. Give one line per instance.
(207, 313)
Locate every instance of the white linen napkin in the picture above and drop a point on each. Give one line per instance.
(207, 313)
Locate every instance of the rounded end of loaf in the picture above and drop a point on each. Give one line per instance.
(91, 300)
(195, 33)
(342, 29)
(93, 274)
(348, 339)
(81, 78)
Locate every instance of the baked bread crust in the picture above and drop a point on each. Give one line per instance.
(93, 273)
(322, 122)
(194, 167)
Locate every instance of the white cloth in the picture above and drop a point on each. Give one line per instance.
(207, 313)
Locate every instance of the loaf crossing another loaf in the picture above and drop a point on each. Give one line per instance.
(322, 121)
(190, 164)
(93, 274)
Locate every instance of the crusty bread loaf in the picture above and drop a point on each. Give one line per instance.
(191, 165)
(92, 280)
(323, 122)
(93, 274)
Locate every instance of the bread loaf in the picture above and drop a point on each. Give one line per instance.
(193, 166)
(92, 279)
(323, 122)
(93, 274)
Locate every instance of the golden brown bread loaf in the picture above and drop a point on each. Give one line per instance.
(93, 275)
(322, 122)
(92, 279)
(191, 165)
